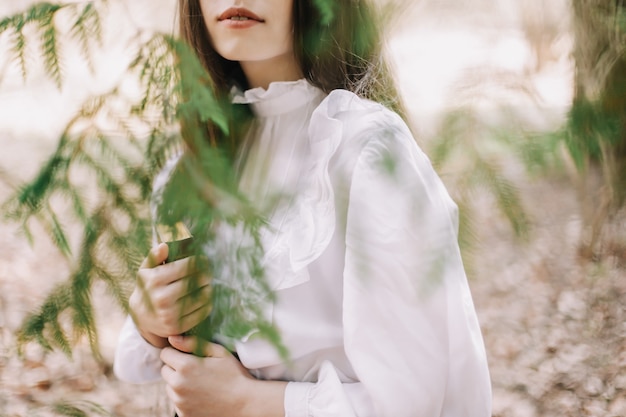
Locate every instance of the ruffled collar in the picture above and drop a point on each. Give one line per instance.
(280, 97)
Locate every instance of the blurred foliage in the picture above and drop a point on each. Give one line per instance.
(472, 148)
(326, 8)
(481, 145)
(100, 178)
(469, 154)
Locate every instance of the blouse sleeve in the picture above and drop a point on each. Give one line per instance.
(410, 328)
(136, 360)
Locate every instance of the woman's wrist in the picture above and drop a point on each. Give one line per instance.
(264, 398)
(134, 309)
(153, 339)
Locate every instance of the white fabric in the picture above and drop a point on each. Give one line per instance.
(372, 300)
(136, 360)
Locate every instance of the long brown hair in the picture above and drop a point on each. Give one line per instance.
(340, 52)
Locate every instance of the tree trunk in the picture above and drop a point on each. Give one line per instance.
(597, 122)
(598, 117)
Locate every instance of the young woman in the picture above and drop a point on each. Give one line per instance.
(372, 301)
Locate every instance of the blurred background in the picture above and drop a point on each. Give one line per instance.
(495, 92)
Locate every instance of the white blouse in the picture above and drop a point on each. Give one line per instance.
(372, 299)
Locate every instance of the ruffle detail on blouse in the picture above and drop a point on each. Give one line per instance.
(306, 225)
(279, 97)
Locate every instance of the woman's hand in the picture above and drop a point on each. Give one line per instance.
(215, 384)
(165, 301)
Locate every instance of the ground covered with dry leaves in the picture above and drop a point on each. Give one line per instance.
(553, 322)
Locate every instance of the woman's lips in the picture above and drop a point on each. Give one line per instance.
(239, 15)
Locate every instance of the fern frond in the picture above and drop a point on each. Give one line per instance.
(83, 321)
(41, 12)
(468, 231)
(68, 410)
(113, 286)
(86, 29)
(506, 195)
(195, 89)
(50, 49)
(5, 24)
(19, 48)
(447, 142)
(30, 197)
(465, 154)
(78, 202)
(153, 64)
(120, 164)
(57, 232)
(161, 147)
(540, 152)
(35, 325)
(108, 183)
(78, 409)
(25, 229)
(59, 337)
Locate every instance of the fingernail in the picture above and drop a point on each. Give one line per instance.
(176, 339)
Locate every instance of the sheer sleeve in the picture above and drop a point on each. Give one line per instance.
(410, 328)
(411, 332)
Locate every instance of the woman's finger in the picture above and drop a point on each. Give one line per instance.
(191, 299)
(194, 318)
(189, 344)
(167, 372)
(174, 359)
(171, 272)
(174, 298)
(174, 398)
(190, 286)
(177, 295)
(156, 256)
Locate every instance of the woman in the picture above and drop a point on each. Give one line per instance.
(371, 302)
